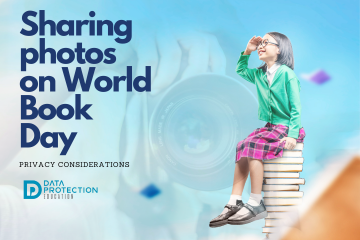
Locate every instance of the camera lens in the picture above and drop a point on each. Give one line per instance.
(196, 126)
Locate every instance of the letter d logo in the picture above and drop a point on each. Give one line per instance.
(32, 189)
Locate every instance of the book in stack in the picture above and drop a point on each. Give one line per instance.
(281, 188)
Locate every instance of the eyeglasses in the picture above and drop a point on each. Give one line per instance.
(265, 42)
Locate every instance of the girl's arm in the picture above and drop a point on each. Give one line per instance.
(242, 68)
(293, 90)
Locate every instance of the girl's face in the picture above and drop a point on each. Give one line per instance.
(270, 51)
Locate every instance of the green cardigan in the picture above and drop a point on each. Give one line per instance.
(279, 103)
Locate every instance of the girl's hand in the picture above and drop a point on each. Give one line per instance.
(252, 44)
(290, 142)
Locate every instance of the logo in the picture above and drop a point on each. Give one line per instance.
(32, 189)
(54, 189)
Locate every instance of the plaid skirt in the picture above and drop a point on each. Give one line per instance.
(264, 143)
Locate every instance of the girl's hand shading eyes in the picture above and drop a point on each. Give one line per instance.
(252, 44)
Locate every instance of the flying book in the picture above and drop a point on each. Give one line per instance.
(282, 201)
(281, 175)
(285, 194)
(274, 187)
(292, 153)
(273, 167)
(331, 209)
(300, 181)
(289, 160)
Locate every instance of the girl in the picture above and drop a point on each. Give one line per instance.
(278, 91)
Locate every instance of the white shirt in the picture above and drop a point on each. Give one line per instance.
(270, 73)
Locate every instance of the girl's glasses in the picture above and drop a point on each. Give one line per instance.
(265, 42)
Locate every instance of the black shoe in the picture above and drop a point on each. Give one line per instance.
(255, 213)
(221, 220)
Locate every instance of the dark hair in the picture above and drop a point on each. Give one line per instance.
(286, 55)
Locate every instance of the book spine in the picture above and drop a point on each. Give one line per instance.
(282, 201)
(299, 181)
(280, 187)
(288, 160)
(283, 194)
(274, 167)
(281, 175)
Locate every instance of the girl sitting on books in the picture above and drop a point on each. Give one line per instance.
(278, 91)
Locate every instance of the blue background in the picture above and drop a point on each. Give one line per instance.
(324, 35)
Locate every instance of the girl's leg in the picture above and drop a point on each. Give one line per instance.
(256, 175)
(243, 216)
(256, 169)
(240, 176)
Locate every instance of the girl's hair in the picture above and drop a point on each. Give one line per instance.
(286, 55)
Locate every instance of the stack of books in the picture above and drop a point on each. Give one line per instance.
(281, 187)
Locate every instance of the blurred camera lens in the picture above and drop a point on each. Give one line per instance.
(196, 126)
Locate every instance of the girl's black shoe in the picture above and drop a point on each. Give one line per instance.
(222, 219)
(255, 213)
